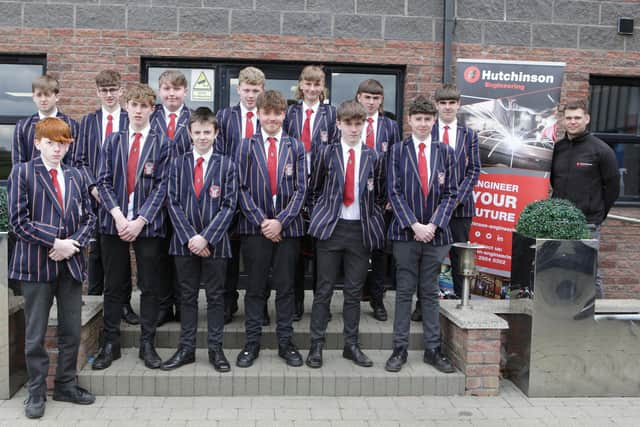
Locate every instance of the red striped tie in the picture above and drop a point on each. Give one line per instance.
(272, 165)
(423, 170)
(198, 176)
(349, 179)
(445, 138)
(109, 129)
(371, 142)
(248, 132)
(132, 163)
(306, 131)
(56, 187)
(171, 129)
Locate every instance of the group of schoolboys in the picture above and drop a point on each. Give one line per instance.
(190, 190)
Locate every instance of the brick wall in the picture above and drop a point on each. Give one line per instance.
(619, 261)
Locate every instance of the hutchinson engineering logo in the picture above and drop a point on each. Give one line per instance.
(504, 79)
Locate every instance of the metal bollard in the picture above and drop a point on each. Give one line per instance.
(467, 267)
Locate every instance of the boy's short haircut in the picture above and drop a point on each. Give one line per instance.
(271, 100)
(142, 93)
(311, 73)
(251, 76)
(54, 129)
(422, 105)
(447, 92)
(351, 110)
(173, 78)
(371, 86)
(45, 83)
(108, 78)
(203, 115)
(576, 104)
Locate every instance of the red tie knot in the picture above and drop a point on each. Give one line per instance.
(422, 146)
(446, 127)
(137, 136)
(370, 120)
(249, 115)
(54, 174)
(309, 113)
(200, 161)
(173, 116)
(110, 118)
(271, 140)
(352, 152)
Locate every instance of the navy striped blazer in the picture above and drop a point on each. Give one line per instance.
(230, 135)
(151, 183)
(37, 219)
(89, 143)
(387, 133)
(181, 142)
(405, 191)
(467, 168)
(24, 147)
(255, 199)
(326, 193)
(324, 129)
(211, 214)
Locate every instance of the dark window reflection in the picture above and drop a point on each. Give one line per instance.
(6, 136)
(201, 85)
(15, 88)
(345, 85)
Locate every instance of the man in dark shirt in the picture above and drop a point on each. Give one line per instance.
(584, 170)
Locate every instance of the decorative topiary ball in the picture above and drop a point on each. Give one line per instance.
(553, 219)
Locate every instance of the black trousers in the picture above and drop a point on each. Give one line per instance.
(192, 271)
(171, 295)
(417, 267)
(152, 262)
(460, 231)
(38, 298)
(374, 286)
(307, 255)
(344, 246)
(96, 271)
(232, 276)
(261, 255)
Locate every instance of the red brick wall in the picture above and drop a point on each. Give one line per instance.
(620, 255)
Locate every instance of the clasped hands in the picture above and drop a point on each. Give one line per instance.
(64, 249)
(424, 232)
(271, 229)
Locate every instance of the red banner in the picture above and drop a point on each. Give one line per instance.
(499, 200)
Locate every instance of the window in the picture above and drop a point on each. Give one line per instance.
(615, 118)
(16, 75)
(342, 80)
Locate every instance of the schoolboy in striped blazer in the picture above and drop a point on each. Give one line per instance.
(132, 180)
(236, 123)
(203, 191)
(50, 213)
(272, 181)
(347, 194)
(95, 127)
(422, 191)
(170, 119)
(313, 123)
(45, 90)
(467, 170)
(379, 133)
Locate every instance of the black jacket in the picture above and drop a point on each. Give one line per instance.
(584, 170)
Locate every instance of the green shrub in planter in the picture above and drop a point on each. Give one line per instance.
(4, 210)
(553, 219)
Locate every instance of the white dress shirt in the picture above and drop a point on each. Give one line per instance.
(167, 112)
(53, 114)
(59, 176)
(352, 212)
(105, 121)
(145, 134)
(427, 153)
(206, 156)
(266, 144)
(254, 120)
(453, 129)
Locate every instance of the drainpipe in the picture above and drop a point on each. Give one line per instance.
(448, 28)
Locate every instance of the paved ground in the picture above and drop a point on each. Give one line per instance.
(511, 408)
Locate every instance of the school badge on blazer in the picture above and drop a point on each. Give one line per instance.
(370, 184)
(441, 178)
(288, 169)
(148, 168)
(385, 146)
(324, 136)
(214, 191)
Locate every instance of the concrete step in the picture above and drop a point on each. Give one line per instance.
(373, 333)
(270, 376)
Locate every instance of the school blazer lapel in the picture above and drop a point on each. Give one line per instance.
(208, 176)
(321, 118)
(146, 150)
(69, 187)
(461, 138)
(284, 153)
(411, 155)
(161, 123)
(257, 145)
(338, 158)
(364, 169)
(432, 167)
(44, 179)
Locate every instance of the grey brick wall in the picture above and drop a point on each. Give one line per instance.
(584, 24)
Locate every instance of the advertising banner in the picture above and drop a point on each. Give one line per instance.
(512, 105)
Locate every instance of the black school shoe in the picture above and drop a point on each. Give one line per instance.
(290, 354)
(34, 406)
(74, 394)
(438, 360)
(248, 355)
(396, 360)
